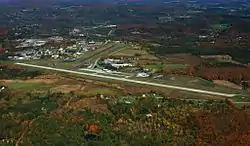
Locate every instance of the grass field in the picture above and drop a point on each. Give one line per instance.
(175, 66)
(130, 52)
(183, 81)
(166, 66)
(241, 98)
(52, 63)
(191, 82)
(28, 86)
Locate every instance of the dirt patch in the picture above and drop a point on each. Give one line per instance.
(183, 58)
(94, 89)
(89, 103)
(2, 82)
(136, 90)
(227, 84)
(142, 62)
(67, 81)
(67, 88)
(45, 79)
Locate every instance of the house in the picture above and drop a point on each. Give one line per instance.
(109, 61)
(143, 75)
(111, 26)
(19, 58)
(55, 56)
(117, 65)
(92, 42)
(2, 88)
(47, 52)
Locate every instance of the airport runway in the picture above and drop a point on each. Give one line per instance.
(130, 80)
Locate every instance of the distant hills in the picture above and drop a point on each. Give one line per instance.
(76, 1)
(49, 2)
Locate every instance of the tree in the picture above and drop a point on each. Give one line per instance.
(137, 55)
(245, 85)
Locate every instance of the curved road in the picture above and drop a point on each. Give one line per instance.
(131, 81)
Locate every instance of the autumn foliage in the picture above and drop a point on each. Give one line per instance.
(93, 128)
(191, 70)
(13, 71)
(223, 125)
(7, 71)
(233, 74)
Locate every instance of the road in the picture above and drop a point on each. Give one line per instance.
(131, 81)
(236, 102)
(95, 64)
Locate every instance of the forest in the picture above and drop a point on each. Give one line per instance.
(47, 119)
(8, 71)
(232, 74)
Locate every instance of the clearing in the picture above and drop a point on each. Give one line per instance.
(165, 66)
(137, 53)
(227, 84)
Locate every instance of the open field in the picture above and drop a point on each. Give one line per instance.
(242, 98)
(191, 82)
(166, 66)
(52, 63)
(19, 85)
(227, 84)
(58, 84)
(28, 86)
(92, 90)
(181, 58)
(139, 53)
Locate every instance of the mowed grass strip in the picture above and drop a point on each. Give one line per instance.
(28, 86)
(166, 66)
(130, 52)
(241, 98)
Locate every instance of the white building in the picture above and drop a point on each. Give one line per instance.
(2, 88)
(117, 65)
(143, 75)
(56, 38)
(55, 56)
(92, 42)
(111, 26)
(110, 61)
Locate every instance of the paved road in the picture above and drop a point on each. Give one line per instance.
(130, 81)
(93, 65)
